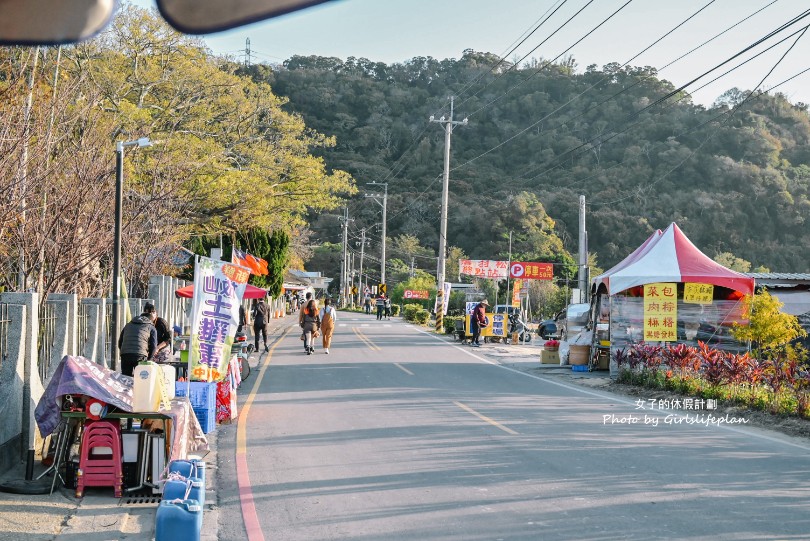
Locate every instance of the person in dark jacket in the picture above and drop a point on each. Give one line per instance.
(138, 340)
(260, 320)
(478, 320)
(163, 352)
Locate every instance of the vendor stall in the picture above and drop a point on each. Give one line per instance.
(82, 392)
(667, 291)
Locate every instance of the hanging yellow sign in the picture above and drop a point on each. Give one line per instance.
(660, 312)
(695, 293)
(516, 292)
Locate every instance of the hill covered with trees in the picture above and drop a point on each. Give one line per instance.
(734, 176)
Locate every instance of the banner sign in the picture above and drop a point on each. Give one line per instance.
(516, 292)
(660, 312)
(698, 293)
(532, 271)
(445, 299)
(420, 294)
(218, 291)
(483, 268)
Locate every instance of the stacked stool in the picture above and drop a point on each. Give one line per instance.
(97, 469)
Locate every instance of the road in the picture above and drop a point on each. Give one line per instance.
(401, 435)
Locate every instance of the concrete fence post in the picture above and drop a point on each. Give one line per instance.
(32, 388)
(71, 318)
(12, 391)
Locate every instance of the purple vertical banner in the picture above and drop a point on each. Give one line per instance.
(218, 291)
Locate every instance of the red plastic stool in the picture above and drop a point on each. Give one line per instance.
(101, 470)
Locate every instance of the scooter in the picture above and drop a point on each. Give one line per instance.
(517, 325)
(242, 349)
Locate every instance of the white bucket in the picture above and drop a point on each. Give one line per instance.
(145, 388)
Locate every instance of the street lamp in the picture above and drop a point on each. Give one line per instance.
(119, 200)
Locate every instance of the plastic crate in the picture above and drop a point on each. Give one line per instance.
(579, 367)
(207, 419)
(202, 394)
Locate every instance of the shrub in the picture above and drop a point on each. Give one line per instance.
(394, 309)
(422, 316)
(450, 323)
(410, 311)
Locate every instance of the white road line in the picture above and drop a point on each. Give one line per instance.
(607, 396)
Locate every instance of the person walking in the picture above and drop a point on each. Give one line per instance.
(328, 318)
(380, 303)
(388, 308)
(260, 320)
(477, 321)
(138, 340)
(310, 323)
(367, 304)
(163, 351)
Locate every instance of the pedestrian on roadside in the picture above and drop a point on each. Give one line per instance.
(328, 317)
(260, 320)
(367, 304)
(310, 322)
(242, 318)
(303, 305)
(163, 351)
(477, 321)
(380, 306)
(138, 340)
(388, 308)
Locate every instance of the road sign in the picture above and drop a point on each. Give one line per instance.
(531, 271)
(354, 290)
(381, 289)
(367, 291)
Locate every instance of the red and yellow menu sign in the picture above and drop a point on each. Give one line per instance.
(661, 312)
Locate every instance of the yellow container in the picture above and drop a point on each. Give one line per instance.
(578, 355)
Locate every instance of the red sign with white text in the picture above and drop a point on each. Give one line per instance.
(416, 294)
(531, 271)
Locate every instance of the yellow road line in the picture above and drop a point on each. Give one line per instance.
(403, 369)
(485, 418)
(366, 339)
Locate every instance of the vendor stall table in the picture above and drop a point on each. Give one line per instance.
(182, 431)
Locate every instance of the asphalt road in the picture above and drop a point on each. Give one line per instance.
(401, 435)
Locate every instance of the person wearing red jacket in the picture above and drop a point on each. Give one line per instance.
(478, 320)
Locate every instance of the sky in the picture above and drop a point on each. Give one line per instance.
(393, 31)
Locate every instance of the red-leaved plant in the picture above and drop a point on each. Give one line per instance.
(712, 363)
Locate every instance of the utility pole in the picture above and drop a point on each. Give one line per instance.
(448, 130)
(360, 276)
(345, 220)
(384, 205)
(583, 252)
(413, 260)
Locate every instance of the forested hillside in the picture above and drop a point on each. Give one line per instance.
(734, 177)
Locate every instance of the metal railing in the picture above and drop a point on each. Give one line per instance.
(108, 329)
(5, 322)
(46, 338)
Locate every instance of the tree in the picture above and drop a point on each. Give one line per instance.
(769, 328)
(733, 262)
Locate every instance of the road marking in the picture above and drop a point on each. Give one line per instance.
(485, 418)
(403, 369)
(606, 395)
(365, 339)
(249, 516)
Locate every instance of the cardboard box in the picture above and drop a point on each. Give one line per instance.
(549, 357)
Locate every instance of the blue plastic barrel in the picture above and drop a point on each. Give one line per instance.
(175, 489)
(178, 521)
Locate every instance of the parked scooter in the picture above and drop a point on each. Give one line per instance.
(517, 325)
(242, 349)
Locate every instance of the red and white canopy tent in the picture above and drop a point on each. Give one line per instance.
(251, 292)
(669, 256)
